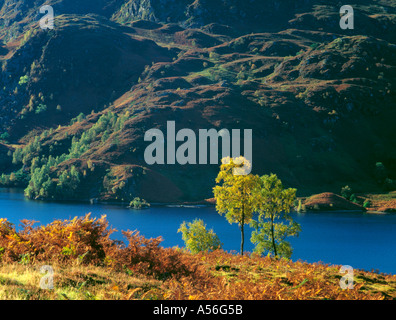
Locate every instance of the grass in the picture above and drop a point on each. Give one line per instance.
(21, 282)
(383, 202)
(231, 277)
(88, 265)
(383, 196)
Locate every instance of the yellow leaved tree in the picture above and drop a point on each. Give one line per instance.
(235, 192)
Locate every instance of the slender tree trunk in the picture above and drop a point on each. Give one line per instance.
(243, 221)
(242, 230)
(273, 236)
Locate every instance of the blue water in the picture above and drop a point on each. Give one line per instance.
(363, 241)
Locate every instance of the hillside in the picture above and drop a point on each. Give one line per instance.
(76, 101)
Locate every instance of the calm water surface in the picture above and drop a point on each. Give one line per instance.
(362, 241)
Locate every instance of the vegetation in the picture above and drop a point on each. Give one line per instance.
(26, 154)
(86, 241)
(41, 182)
(346, 192)
(42, 186)
(23, 80)
(367, 203)
(383, 202)
(178, 67)
(14, 179)
(197, 238)
(235, 196)
(241, 195)
(139, 204)
(261, 70)
(4, 136)
(89, 265)
(41, 108)
(108, 123)
(274, 223)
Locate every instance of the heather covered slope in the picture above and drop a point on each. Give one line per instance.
(68, 70)
(79, 99)
(375, 18)
(17, 15)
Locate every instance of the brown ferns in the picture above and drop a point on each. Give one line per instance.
(87, 241)
(205, 276)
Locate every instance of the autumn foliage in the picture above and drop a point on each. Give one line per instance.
(236, 277)
(86, 242)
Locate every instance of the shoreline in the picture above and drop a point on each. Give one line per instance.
(206, 203)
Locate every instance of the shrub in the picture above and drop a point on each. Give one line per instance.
(41, 108)
(88, 259)
(61, 241)
(23, 80)
(4, 136)
(138, 204)
(15, 179)
(69, 180)
(353, 198)
(367, 203)
(197, 238)
(145, 256)
(86, 241)
(346, 192)
(79, 118)
(213, 56)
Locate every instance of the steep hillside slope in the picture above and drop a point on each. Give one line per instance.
(376, 18)
(82, 65)
(77, 101)
(17, 15)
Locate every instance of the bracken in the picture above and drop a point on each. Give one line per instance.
(218, 275)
